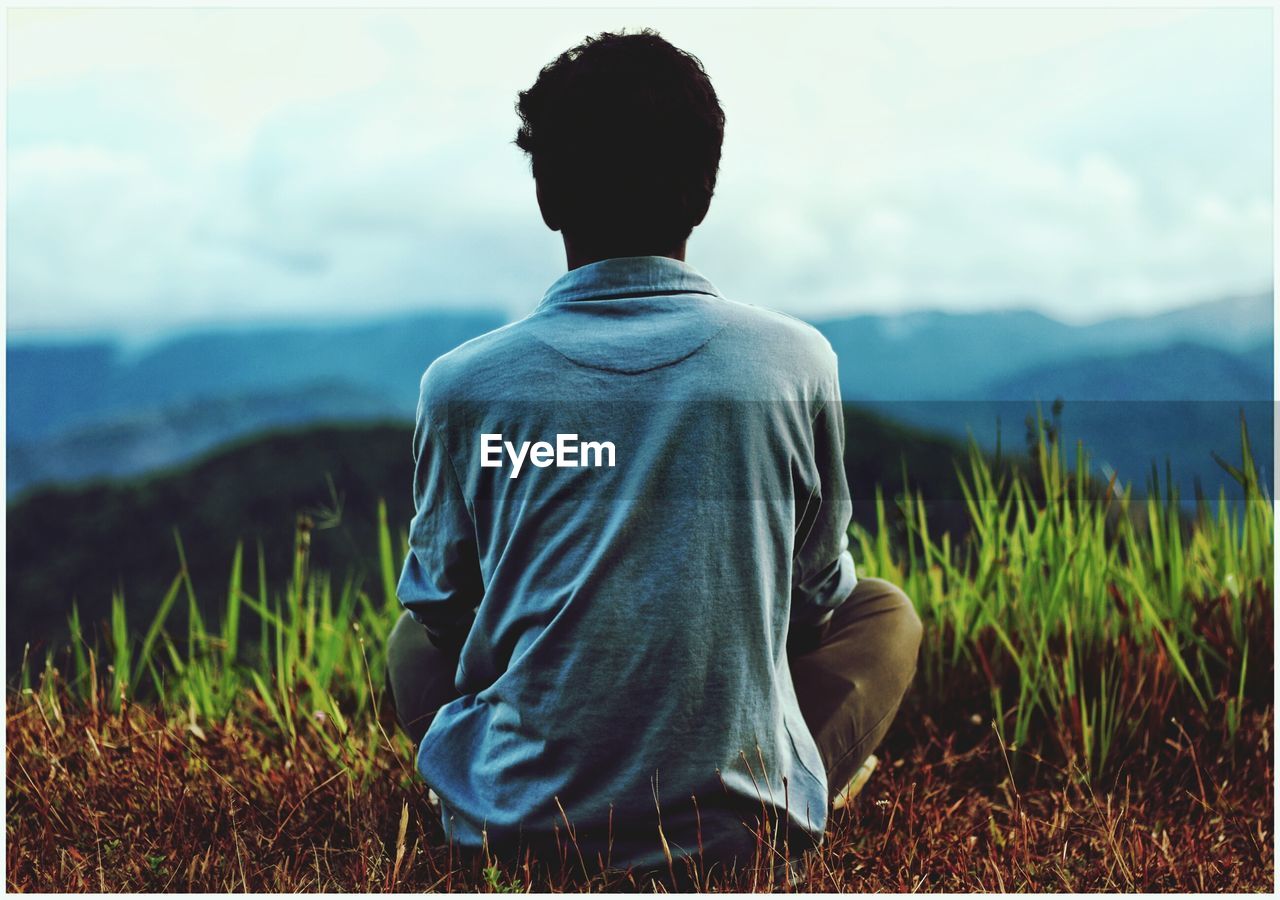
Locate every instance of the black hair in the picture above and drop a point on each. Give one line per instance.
(623, 133)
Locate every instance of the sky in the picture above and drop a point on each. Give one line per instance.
(177, 168)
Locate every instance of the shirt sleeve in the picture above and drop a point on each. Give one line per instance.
(823, 573)
(440, 584)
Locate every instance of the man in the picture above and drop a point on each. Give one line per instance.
(634, 636)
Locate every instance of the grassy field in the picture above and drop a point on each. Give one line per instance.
(1093, 711)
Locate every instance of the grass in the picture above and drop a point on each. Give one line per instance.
(1092, 712)
(1088, 616)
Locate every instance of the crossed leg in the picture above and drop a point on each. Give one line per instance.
(850, 685)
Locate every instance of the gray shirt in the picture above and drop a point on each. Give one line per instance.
(623, 502)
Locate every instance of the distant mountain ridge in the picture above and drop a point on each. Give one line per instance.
(954, 356)
(1160, 374)
(83, 410)
(54, 386)
(155, 438)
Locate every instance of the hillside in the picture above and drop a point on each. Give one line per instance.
(82, 543)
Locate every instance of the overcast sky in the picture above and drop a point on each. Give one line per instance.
(177, 167)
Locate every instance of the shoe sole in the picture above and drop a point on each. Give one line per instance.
(856, 783)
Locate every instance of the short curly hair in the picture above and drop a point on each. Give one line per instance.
(623, 133)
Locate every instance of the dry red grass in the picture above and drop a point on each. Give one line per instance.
(134, 802)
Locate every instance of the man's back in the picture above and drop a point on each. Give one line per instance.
(628, 650)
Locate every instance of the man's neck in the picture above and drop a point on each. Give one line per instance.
(577, 256)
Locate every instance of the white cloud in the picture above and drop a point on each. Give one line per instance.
(172, 166)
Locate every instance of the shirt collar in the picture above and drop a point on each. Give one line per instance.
(627, 276)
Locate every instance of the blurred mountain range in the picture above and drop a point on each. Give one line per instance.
(1136, 389)
(1167, 388)
(983, 356)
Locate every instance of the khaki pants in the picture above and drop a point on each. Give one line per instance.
(849, 685)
